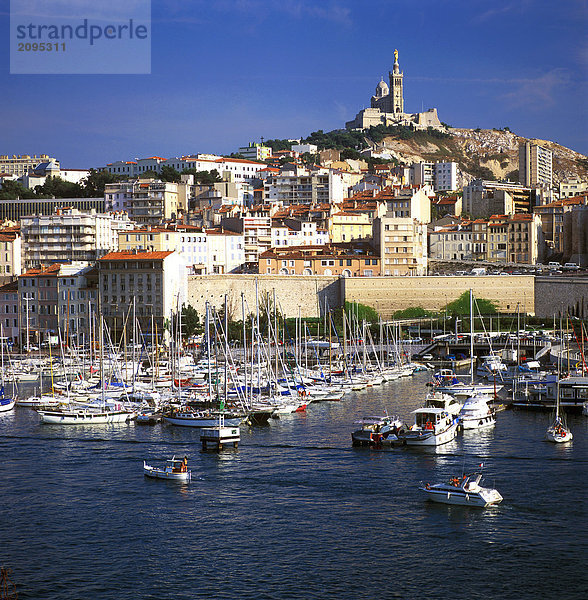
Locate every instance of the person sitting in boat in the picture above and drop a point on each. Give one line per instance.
(454, 481)
(428, 425)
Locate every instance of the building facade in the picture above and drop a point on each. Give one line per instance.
(402, 245)
(70, 235)
(23, 164)
(535, 165)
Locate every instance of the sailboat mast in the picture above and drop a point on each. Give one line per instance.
(471, 337)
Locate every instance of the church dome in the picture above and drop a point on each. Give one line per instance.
(382, 89)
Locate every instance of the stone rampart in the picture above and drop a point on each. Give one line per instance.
(561, 295)
(293, 292)
(389, 294)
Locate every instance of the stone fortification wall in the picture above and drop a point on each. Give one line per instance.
(561, 295)
(389, 294)
(292, 292)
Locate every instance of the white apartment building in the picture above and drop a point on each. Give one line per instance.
(70, 235)
(10, 253)
(442, 176)
(147, 201)
(402, 243)
(304, 148)
(572, 187)
(225, 251)
(535, 165)
(451, 243)
(292, 232)
(230, 169)
(299, 185)
(408, 202)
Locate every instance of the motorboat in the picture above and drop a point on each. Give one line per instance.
(447, 402)
(188, 418)
(84, 416)
(175, 469)
(376, 430)
(464, 491)
(492, 366)
(476, 414)
(432, 427)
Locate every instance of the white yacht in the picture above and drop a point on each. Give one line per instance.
(476, 414)
(432, 427)
(491, 366)
(464, 491)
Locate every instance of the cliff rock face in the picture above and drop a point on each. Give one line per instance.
(483, 152)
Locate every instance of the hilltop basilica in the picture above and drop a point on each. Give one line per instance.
(387, 106)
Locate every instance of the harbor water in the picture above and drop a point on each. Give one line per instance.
(294, 513)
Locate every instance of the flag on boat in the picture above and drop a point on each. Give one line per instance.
(481, 465)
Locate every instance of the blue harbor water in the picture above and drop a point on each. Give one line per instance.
(295, 512)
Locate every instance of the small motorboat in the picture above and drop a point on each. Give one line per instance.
(464, 491)
(175, 469)
(377, 431)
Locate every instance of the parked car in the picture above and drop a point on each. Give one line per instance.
(554, 265)
(571, 266)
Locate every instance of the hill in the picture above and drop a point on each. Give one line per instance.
(486, 153)
(481, 153)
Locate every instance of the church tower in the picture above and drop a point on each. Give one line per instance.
(396, 98)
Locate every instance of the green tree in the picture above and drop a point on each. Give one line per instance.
(204, 177)
(461, 306)
(191, 324)
(413, 312)
(96, 181)
(11, 190)
(170, 174)
(58, 188)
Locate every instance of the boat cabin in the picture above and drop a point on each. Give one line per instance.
(429, 418)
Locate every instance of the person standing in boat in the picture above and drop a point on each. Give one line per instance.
(184, 467)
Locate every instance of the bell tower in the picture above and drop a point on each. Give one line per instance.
(396, 89)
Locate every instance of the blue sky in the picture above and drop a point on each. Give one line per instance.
(227, 72)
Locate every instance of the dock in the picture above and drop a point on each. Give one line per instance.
(215, 438)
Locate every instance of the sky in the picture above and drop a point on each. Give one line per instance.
(228, 72)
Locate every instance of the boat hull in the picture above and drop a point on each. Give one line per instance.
(200, 421)
(425, 438)
(155, 473)
(83, 417)
(460, 497)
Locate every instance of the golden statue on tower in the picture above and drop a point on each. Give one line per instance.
(395, 56)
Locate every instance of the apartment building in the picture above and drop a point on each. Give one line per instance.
(257, 236)
(77, 301)
(410, 202)
(147, 201)
(15, 210)
(299, 185)
(154, 281)
(10, 253)
(514, 238)
(451, 243)
(441, 176)
(20, 165)
(9, 313)
(571, 188)
(255, 151)
(230, 169)
(482, 198)
(38, 293)
(296, 232)
(535, 165)
(402, 245)
(70, 235)
(552, 220)
(331, 259)
(346, 226)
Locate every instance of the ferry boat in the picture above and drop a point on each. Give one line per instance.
(464, 491)
(432, 427)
